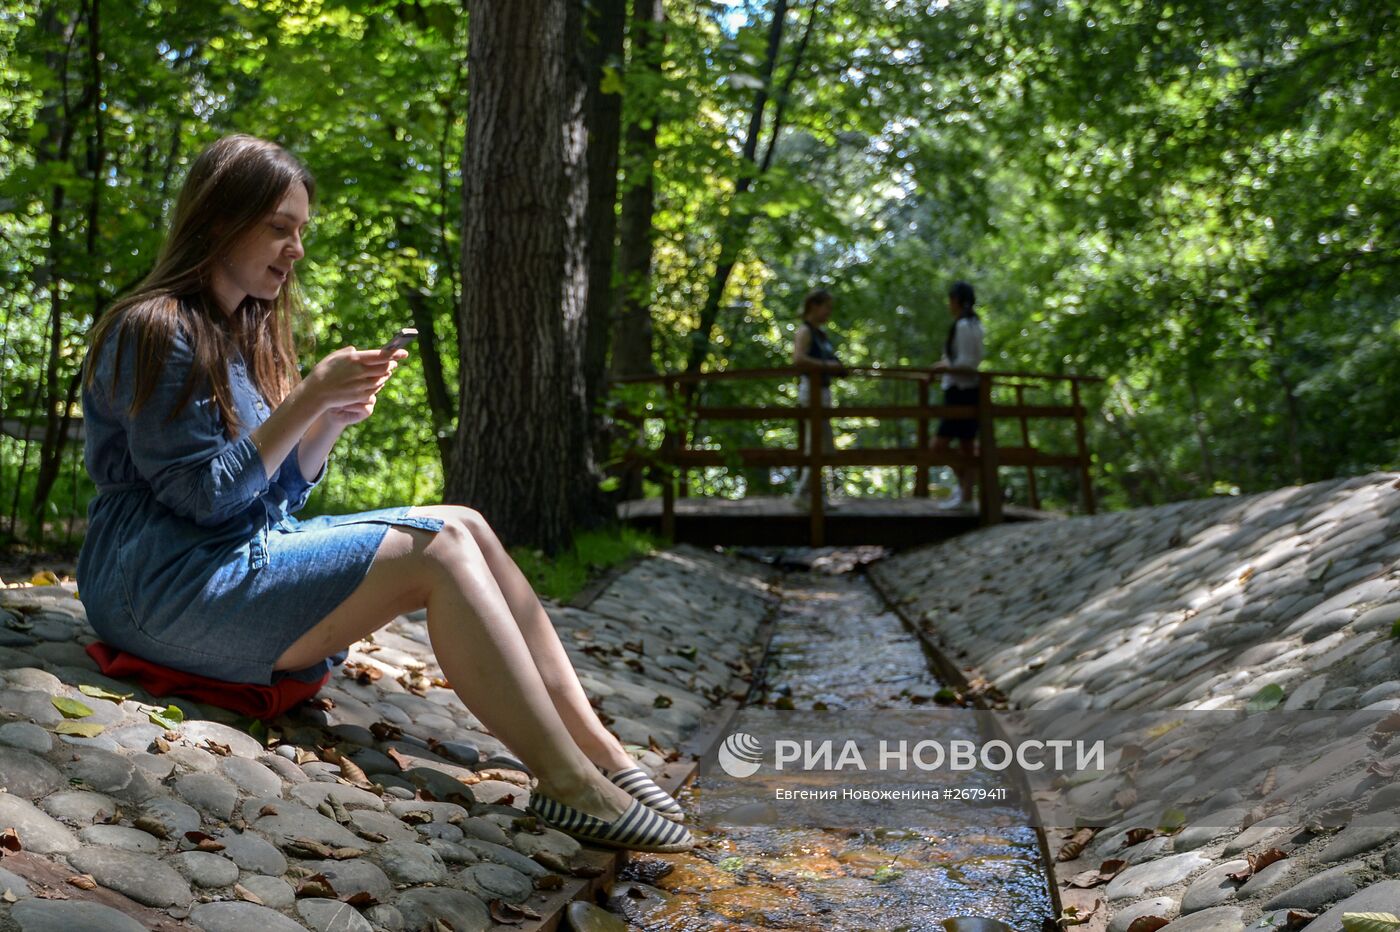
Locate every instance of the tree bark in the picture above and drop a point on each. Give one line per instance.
(521, 450)
(633, 333)
(604, 27)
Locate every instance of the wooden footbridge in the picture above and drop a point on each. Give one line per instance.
(676, 437)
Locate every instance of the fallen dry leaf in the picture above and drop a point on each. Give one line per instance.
(9, 841)
(403, 762)
(151, 826)
(511, 913)
(1102, 874)
(383, 731)
(1137, 836)
(267, 811)
(318, 885)
(549, 882)
(83, 882)
(1075, 846)
(243, 893)
(1147, 924)
(214, 747)
(362, 900)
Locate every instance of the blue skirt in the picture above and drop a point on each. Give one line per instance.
(231, 621)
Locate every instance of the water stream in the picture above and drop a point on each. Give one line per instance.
(835, 644)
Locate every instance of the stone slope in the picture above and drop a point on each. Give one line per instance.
(1203, 605)
(662, 641)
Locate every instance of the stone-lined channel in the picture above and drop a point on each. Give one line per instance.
(835, 645)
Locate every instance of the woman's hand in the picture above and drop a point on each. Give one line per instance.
(346, 383)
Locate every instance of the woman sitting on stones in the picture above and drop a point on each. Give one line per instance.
(203, 441)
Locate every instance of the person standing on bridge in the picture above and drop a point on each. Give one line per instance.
(962, 350)
(812, 352)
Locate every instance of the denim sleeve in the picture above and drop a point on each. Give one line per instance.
(295, 487)
(192, 467)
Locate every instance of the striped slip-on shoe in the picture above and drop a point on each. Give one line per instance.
(637, 829)
(641, 787)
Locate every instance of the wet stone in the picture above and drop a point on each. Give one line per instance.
(205, 869)
(139, 876)
(27, 736)
(38, 831)
(409, 862)
(209, 793)
(79, 806)
(332, 916)
(273, 891)
(120, 836)
(586, 917)
(241, 917)
(356, 875)
(35, 915)
(490, 881)
(463, 911)
(23, 774)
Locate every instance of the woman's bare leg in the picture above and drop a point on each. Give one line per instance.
(480, 648)
(552, 661)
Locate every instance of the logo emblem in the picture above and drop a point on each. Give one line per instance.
(740, 755)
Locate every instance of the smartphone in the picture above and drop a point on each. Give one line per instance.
(405, 336)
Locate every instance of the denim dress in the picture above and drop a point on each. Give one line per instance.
(193, 557)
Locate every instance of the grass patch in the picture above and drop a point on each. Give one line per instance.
(562, 576)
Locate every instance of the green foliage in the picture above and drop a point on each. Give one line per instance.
(1195, 201)
(562, 576)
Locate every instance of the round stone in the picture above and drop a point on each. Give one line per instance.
(252, 852)
(332, 916)
(79, 807)
(251, 776)
(356, 875)
(139, 876)
(23, 774)
(312, 795)
(120, 836)
(199, 731)
(587, 917)
(38, 832)
(500, 854)
(484, 830)
(104, 771)
(409, 862)
(209, 793)
(26, 736)
(1212, 888)
(13, 883)
(240, 917)
(1154, 875)
(423, 906)
(273, 891)
(36, 915)
(387, 918)
(1163, 907)
(205, 869)
(1218, 919)
(177, 817)
(293, 821)
(491, 881)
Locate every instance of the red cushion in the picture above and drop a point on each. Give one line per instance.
(251, 699)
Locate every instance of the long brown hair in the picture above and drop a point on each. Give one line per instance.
(232, 186)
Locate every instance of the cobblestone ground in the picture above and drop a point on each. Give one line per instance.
(1289, 600)
(383, 805)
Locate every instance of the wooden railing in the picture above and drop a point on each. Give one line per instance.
(676, 456)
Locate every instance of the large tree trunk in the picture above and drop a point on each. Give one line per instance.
(521, 450)
(633, 332)
(604, 28)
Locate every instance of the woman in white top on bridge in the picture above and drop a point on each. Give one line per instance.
(962, 349)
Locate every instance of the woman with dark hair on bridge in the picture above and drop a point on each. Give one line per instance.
(962, 350)
(812, 350)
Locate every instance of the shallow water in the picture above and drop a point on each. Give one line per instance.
(834, 643)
